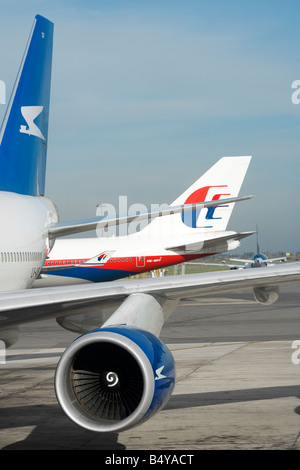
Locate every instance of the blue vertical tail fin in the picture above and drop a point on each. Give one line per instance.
(24, 131)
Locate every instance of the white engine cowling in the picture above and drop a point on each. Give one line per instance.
(266, 295)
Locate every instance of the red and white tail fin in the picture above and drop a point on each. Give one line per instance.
(221, 181)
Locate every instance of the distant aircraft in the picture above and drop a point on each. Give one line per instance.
(118, 373)
(165, 242)
(258, 260)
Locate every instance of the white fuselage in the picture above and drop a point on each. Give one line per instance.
(24, 241)
(105, 259)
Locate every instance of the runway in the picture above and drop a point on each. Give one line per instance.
(237, 384)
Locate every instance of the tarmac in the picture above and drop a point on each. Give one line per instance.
(237, 384)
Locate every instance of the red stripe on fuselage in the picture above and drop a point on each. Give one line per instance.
(133, 263)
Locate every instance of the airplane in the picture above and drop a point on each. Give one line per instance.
(117, 373)
(29, 220)
(257, 261)
(164, 242)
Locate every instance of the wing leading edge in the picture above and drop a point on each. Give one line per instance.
(32, 305)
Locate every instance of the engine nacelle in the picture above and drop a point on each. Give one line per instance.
(266, 295)
(114, 378)
(9, 336)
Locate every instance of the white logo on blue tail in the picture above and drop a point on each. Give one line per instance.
(159, 374)
(30, 113)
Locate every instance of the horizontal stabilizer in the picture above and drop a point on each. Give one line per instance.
(210, 244)
(64, 229)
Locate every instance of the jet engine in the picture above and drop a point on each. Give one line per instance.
(266, 294)
(114, 378)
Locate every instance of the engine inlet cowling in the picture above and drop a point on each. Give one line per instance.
(114, 378)
(266, 295)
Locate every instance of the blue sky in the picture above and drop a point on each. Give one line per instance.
(146, 96)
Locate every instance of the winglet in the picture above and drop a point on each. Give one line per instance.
(24, 131)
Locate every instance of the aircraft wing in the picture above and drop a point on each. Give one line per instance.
(62, 229)
(51, 302)
(271, 260)
(123, 360)
(240, 260)
(267, 260)
(223, 265)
